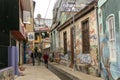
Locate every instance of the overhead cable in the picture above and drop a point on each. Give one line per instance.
(47, 8)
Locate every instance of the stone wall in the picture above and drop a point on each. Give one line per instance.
(7, 74)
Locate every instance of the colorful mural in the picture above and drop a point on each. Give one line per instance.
(90, 63)
(85, 58)
(90, 58)
(109, 49)
(109, 69)
(93, 35)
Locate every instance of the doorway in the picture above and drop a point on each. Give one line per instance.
(72, 46)
(65, 42)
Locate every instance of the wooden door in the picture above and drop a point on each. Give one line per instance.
(72, 47)
(85, 37)
(65, 42)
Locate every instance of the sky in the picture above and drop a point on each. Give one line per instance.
(41, 8)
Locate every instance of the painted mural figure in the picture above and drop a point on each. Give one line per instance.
(108, 68)
(105, 59)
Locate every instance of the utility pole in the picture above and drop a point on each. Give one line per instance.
(70, 6)
(72, 9)
(74, 38)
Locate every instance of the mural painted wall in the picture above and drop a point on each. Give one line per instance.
(92, 58)
(67, 30)
(109, 48)
(88, 59)
(53, 39)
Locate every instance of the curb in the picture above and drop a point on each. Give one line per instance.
(74, 75)
(65, 73)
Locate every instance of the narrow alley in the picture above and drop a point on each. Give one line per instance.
(74, 39)
(54, 71)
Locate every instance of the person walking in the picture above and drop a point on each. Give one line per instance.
(53, 56)
(45, 57)
(39, 56)
(33, 58)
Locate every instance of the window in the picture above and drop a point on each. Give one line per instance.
(85, 37)
(111, 30)
(45, 35)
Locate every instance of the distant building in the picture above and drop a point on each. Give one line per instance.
(42, 22)
(42, 30)
(15, 15)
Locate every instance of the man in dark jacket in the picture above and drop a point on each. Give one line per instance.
(39, 55)
(33, 57)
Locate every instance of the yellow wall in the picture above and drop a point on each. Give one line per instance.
(29, 27)
(38, 39)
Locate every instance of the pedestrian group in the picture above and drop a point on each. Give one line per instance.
(38, 57)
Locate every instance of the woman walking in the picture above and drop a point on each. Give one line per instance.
(45, 57)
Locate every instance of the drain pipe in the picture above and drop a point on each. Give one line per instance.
(99, 59)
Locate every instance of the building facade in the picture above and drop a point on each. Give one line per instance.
(13, 32)
(28, 45)
(77, 36)
(42, 33)
(56, 21)
(80, 40)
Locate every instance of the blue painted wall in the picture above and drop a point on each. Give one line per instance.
(13, 56)
(110, 68)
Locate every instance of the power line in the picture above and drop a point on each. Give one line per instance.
(47, 8)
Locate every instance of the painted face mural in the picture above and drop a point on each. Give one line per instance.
(109, 67)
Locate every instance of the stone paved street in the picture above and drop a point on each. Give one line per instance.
(37, 73)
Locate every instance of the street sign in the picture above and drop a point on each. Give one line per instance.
(31, 36)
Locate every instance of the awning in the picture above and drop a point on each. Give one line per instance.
(44, 29)
(21, 33)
